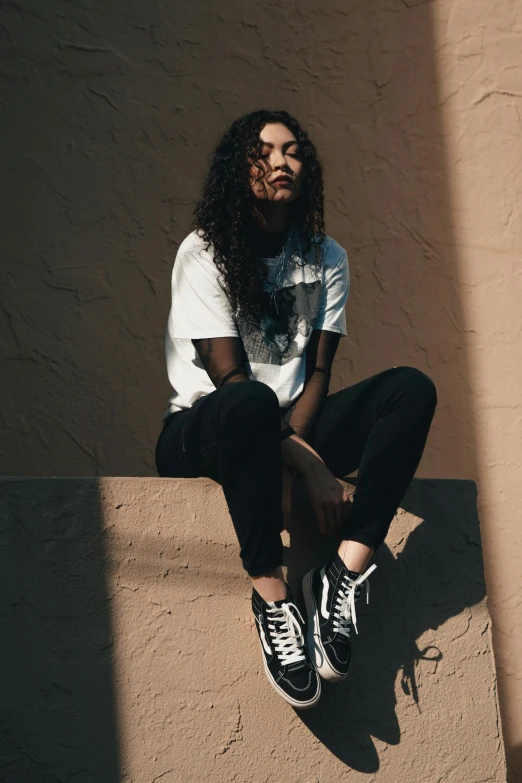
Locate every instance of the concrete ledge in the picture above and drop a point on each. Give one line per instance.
(129, 653)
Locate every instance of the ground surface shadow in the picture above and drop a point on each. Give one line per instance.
(57, 713)
(438, 573)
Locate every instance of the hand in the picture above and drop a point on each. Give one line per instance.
(288, 480)
(329, 498)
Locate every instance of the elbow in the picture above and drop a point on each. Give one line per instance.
(234, 375)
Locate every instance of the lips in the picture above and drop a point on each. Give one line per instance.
(282, 179)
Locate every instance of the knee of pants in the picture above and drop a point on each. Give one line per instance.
(419, 384)
(251, 401)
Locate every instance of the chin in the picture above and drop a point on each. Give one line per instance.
(284, 197)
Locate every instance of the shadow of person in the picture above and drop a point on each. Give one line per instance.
(429, 570)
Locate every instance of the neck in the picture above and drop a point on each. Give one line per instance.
(272, 218)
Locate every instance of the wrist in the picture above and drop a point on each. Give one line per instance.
(298, 455)
(312, 468)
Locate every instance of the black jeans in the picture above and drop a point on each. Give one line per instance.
(232, 435)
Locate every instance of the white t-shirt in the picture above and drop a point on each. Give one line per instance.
(201, 308)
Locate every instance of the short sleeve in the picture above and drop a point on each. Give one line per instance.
(200, 306)
(334, 295)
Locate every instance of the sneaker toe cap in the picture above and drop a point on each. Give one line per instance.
(303, 681)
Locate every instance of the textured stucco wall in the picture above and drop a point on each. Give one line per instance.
(108, 111)
(480, 92)
(133, 587)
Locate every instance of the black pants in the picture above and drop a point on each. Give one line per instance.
(232, 435)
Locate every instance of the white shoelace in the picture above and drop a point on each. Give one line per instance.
(344, 608)
(288, 640)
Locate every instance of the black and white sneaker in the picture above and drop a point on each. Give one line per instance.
(286, 659)
(330, 594)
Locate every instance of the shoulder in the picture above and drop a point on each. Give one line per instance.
(333, 257)
(196, 262)
(336, 270)
(195, 244)
(194, 253)
(333, 252)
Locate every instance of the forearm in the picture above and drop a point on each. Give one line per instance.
(299, 455)
(303, 416)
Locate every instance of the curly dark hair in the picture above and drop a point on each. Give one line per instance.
(226, 213)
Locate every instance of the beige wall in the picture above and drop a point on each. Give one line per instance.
(110, 110)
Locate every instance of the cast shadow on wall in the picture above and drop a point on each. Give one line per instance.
(58, 708)
(437, 573)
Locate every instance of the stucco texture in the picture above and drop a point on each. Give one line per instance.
(108, 113)
(128, 643)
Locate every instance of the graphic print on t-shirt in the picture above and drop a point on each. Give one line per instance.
(268, 344)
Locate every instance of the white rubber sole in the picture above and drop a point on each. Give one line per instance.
(315, 647)
(299, 705)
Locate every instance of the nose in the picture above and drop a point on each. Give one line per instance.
(278, 161)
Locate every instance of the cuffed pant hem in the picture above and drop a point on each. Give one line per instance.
(263, 571)
(361, 539)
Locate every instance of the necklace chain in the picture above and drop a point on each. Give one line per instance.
(282, 259)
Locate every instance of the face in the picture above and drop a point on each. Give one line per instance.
(280, 157)
(302, 327)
